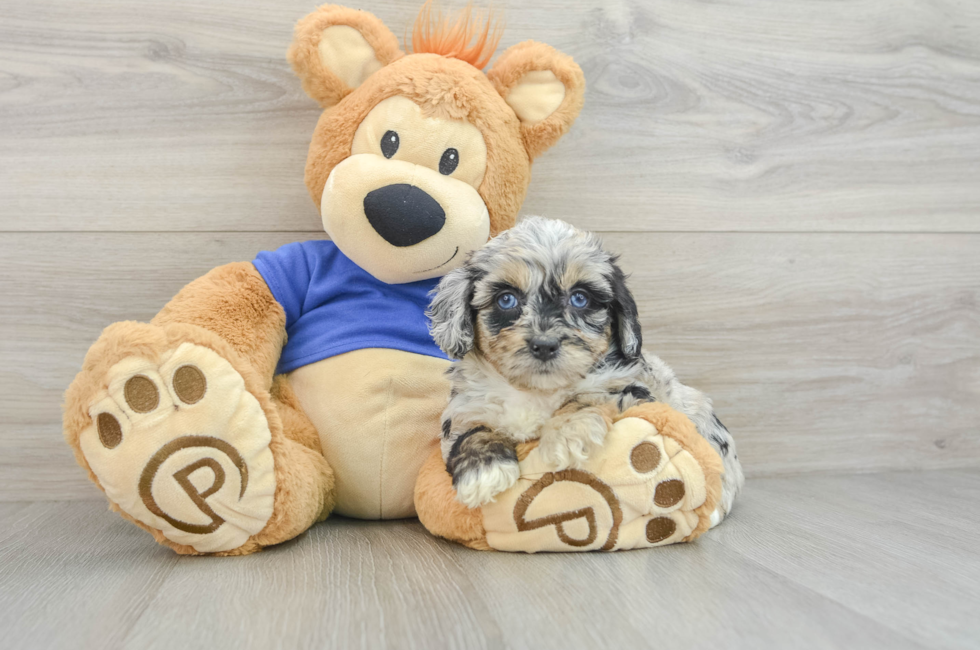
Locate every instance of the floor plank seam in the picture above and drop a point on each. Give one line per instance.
(787, 579)
(149, 600)
(449, 552)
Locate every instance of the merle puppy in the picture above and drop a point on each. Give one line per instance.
(548, 343)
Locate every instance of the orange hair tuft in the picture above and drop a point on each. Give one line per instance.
(436, 34)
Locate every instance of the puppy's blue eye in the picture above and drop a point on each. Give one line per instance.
(579, 299)
(506, 301)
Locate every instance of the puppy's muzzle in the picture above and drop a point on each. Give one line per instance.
(544, 348)
(403, 214)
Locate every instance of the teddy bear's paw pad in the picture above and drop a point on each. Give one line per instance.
(640, 489)
(183, 447)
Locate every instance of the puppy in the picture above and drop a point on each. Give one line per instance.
(548, 344)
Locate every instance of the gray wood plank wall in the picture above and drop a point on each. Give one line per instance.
(794, 185)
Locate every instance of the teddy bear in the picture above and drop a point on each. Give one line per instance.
(268, 394)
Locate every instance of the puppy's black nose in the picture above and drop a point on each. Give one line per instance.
(543, 348)
(403, 214)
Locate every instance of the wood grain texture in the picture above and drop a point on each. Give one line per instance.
(923, 527)
(881, 561)
(743, 115)
(72, 579)
(352, 585)
(679, 597)
(823, 353)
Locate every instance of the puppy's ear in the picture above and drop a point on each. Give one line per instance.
(335, 49)
(626, 320)
(544, 87)
(451, 313)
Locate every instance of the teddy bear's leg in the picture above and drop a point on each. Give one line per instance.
(304, 480)
(654, 481)
(440, 512)
(180, 422)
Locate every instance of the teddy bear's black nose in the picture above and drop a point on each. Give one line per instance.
(403, 214)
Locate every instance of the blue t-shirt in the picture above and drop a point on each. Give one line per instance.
(334, 306)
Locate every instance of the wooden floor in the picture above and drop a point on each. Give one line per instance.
(866, 561)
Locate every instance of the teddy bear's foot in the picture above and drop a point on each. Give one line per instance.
(642, 488)
(654, 481)
(181, 446)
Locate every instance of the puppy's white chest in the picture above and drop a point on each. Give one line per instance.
(523, 414)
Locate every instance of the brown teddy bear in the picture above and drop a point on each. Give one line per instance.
(268, 394)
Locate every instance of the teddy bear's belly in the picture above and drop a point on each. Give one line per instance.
(377, 412)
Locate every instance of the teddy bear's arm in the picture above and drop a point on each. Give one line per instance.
(234, 302)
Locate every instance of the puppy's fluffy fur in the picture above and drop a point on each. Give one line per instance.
(549, 346)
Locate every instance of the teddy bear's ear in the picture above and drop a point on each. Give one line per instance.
(335, 49)
(544, 87)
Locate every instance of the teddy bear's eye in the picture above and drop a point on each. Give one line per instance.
(389, 143)
(448, 162)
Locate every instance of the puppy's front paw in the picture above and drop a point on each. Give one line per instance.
(480, 485)
(569, 440)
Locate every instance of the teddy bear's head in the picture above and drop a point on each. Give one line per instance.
(419, 158)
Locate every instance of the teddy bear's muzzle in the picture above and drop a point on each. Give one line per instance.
(400, 221)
